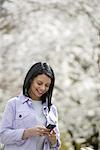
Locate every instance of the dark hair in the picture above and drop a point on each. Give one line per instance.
(35, 70)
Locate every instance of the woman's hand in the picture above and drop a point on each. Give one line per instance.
(52, 137)
(40, 131)
(36, 131)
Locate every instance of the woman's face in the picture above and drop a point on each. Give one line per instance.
(39, 86)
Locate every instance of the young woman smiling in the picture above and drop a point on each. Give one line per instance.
(26, 117)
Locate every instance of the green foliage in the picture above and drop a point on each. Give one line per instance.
(64, 144)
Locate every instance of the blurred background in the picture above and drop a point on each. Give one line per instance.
(65, 34)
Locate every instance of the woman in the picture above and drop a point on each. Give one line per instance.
(26, 117)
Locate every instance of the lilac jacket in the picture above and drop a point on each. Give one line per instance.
(19, 115)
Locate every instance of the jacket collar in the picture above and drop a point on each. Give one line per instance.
(24, 99)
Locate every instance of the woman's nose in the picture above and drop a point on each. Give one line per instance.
(43, 87)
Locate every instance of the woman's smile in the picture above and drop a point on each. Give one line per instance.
(40, 92)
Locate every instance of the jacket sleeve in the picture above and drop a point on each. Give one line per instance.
(9, 135)
(58, 143)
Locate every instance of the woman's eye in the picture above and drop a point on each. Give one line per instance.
(47, 86)
(39, 83)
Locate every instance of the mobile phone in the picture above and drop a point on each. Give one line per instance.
(51, 126)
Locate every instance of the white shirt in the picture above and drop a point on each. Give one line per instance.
(41, 120)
